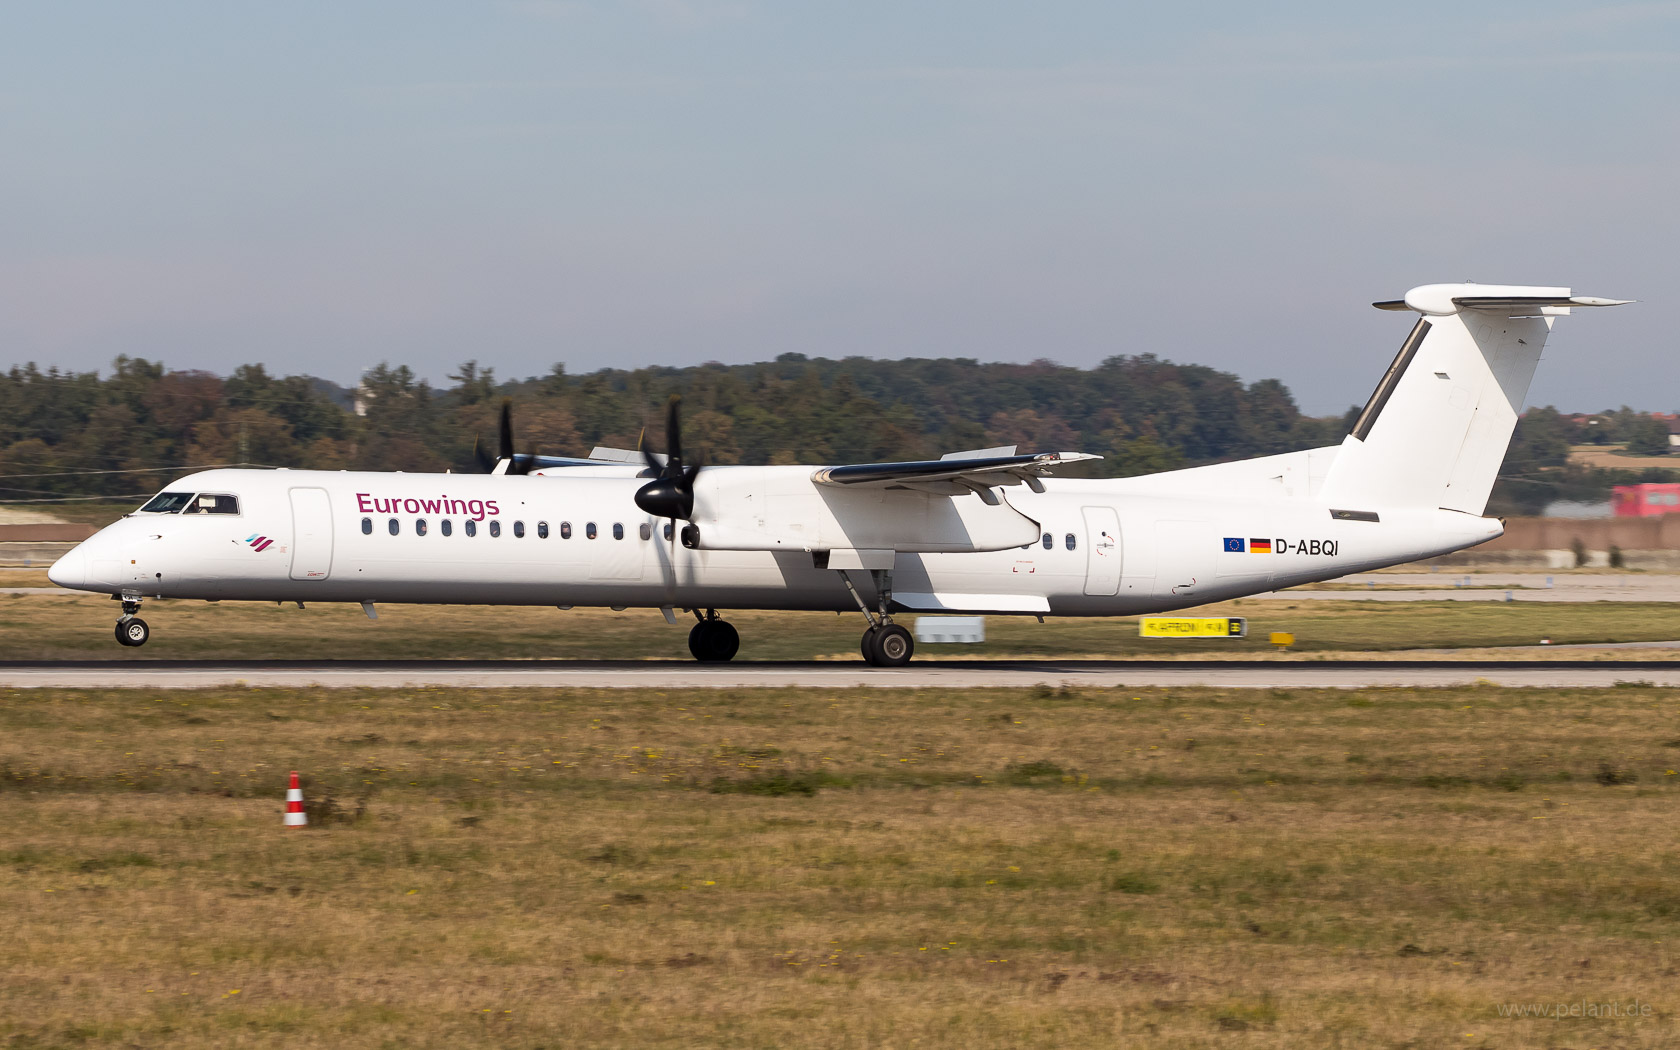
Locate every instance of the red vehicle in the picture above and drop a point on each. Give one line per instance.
(1645, 501)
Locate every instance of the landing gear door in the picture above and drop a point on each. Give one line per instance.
(312, 538)
(1102, 541)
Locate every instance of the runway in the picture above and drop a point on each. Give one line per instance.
(1091, 674)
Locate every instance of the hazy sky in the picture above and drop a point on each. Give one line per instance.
(324, 186)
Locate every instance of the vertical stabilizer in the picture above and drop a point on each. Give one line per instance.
(1436, 429)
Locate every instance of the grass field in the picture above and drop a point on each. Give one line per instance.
(79, 627)
(839, 869)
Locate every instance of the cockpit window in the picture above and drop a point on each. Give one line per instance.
(167, 503)
(213, 503)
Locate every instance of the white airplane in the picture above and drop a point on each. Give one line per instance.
(974, 532)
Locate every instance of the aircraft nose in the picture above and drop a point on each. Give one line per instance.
(71, 569)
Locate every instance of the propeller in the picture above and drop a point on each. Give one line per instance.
(671, 492)
(516, 464)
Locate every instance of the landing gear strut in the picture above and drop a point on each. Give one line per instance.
(885, 644)
(711, 640)
(131, 630)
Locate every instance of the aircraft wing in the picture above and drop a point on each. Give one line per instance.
(951, 476)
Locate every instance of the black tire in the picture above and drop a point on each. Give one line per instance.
(726, 641)
(867, 647)
(714, 641)
(893, 646)
(133, 632)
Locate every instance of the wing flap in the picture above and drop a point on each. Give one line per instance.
(983, 472)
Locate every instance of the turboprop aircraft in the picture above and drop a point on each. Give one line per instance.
(985, 531)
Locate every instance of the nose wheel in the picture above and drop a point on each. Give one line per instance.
(132, 631)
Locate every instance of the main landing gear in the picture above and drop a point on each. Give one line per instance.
(711, 640)
(131, 630)
(885, 644)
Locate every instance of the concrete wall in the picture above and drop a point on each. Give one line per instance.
(59, 533)
(1630, 534)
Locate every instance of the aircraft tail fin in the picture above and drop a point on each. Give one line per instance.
(1436, 429)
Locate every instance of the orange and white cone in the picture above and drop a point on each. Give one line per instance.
(295, 816)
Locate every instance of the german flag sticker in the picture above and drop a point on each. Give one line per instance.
(1259, 546)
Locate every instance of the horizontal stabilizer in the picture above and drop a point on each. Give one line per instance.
(1440, 300)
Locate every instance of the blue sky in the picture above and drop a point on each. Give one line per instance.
(322, 187)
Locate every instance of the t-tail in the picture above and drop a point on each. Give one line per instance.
(1435, 431)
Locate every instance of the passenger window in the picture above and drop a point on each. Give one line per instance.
(393, 526)
(589, 530)
(646, 531)
(565, 530)
(495, 528)
(542, 530)
(419, 526)
(210, 503)
(1071, 541)
(367, 526)
(667, 531)
(1049, 542)
(470, 526)
(444, 526)
(167, 503)
(519, 530)
(618, 530)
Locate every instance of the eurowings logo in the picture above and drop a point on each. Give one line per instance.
(259, 543)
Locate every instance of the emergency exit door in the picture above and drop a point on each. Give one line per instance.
(1102, 542)
(312, 538)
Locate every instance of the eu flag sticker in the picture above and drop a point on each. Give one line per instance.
(1234, 544)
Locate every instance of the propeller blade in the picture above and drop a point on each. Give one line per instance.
(482, 457)
(673, 435)
(504, 449)
(654, 465)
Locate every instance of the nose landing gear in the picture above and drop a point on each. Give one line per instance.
(131, 630)
(711, 640)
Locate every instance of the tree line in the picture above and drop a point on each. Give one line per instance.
(128, 431)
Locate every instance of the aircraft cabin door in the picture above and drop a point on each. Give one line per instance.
(312, 538)
(1102, 540)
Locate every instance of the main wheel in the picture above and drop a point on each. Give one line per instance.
(714, 641)
(893, 646)
(868, 645)
(133, 631)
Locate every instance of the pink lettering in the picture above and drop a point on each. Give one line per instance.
(431, 505)
(412, 506)
(362, 503)
(476, 509)
(491, 505)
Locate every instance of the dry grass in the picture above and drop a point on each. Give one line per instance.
(1617, 457)
(71, 626)
(838, 869)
